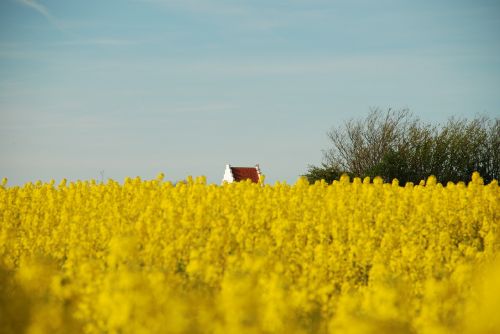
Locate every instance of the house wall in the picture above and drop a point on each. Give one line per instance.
(228, 175)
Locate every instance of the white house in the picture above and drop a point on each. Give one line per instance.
(236, 174)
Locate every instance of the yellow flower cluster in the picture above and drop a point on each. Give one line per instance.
(355, 256)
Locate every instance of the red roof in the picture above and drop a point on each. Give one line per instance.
(244, 173)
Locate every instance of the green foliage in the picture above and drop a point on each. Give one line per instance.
(397, 145)
(325, 172)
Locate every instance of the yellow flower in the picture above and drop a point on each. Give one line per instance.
(146, 256)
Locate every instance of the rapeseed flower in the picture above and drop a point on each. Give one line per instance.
(147, 256)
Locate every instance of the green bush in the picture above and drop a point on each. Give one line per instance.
(395, 144)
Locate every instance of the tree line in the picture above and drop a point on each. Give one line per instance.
(394, 144)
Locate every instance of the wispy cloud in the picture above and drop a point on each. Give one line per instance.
(210, 6)
(248, 15)
(57, 117)
(42, 10)
(101, 42)
(37, 7)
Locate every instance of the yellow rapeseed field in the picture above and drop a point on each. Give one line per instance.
(356, 256)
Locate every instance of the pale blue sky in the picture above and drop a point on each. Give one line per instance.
(135, 87)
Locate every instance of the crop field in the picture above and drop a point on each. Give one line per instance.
(147, 256)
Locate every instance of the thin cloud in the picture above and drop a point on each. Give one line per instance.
(41, 9)
(37, 7)
(102, 42)
(210, 6)
(250, 16)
